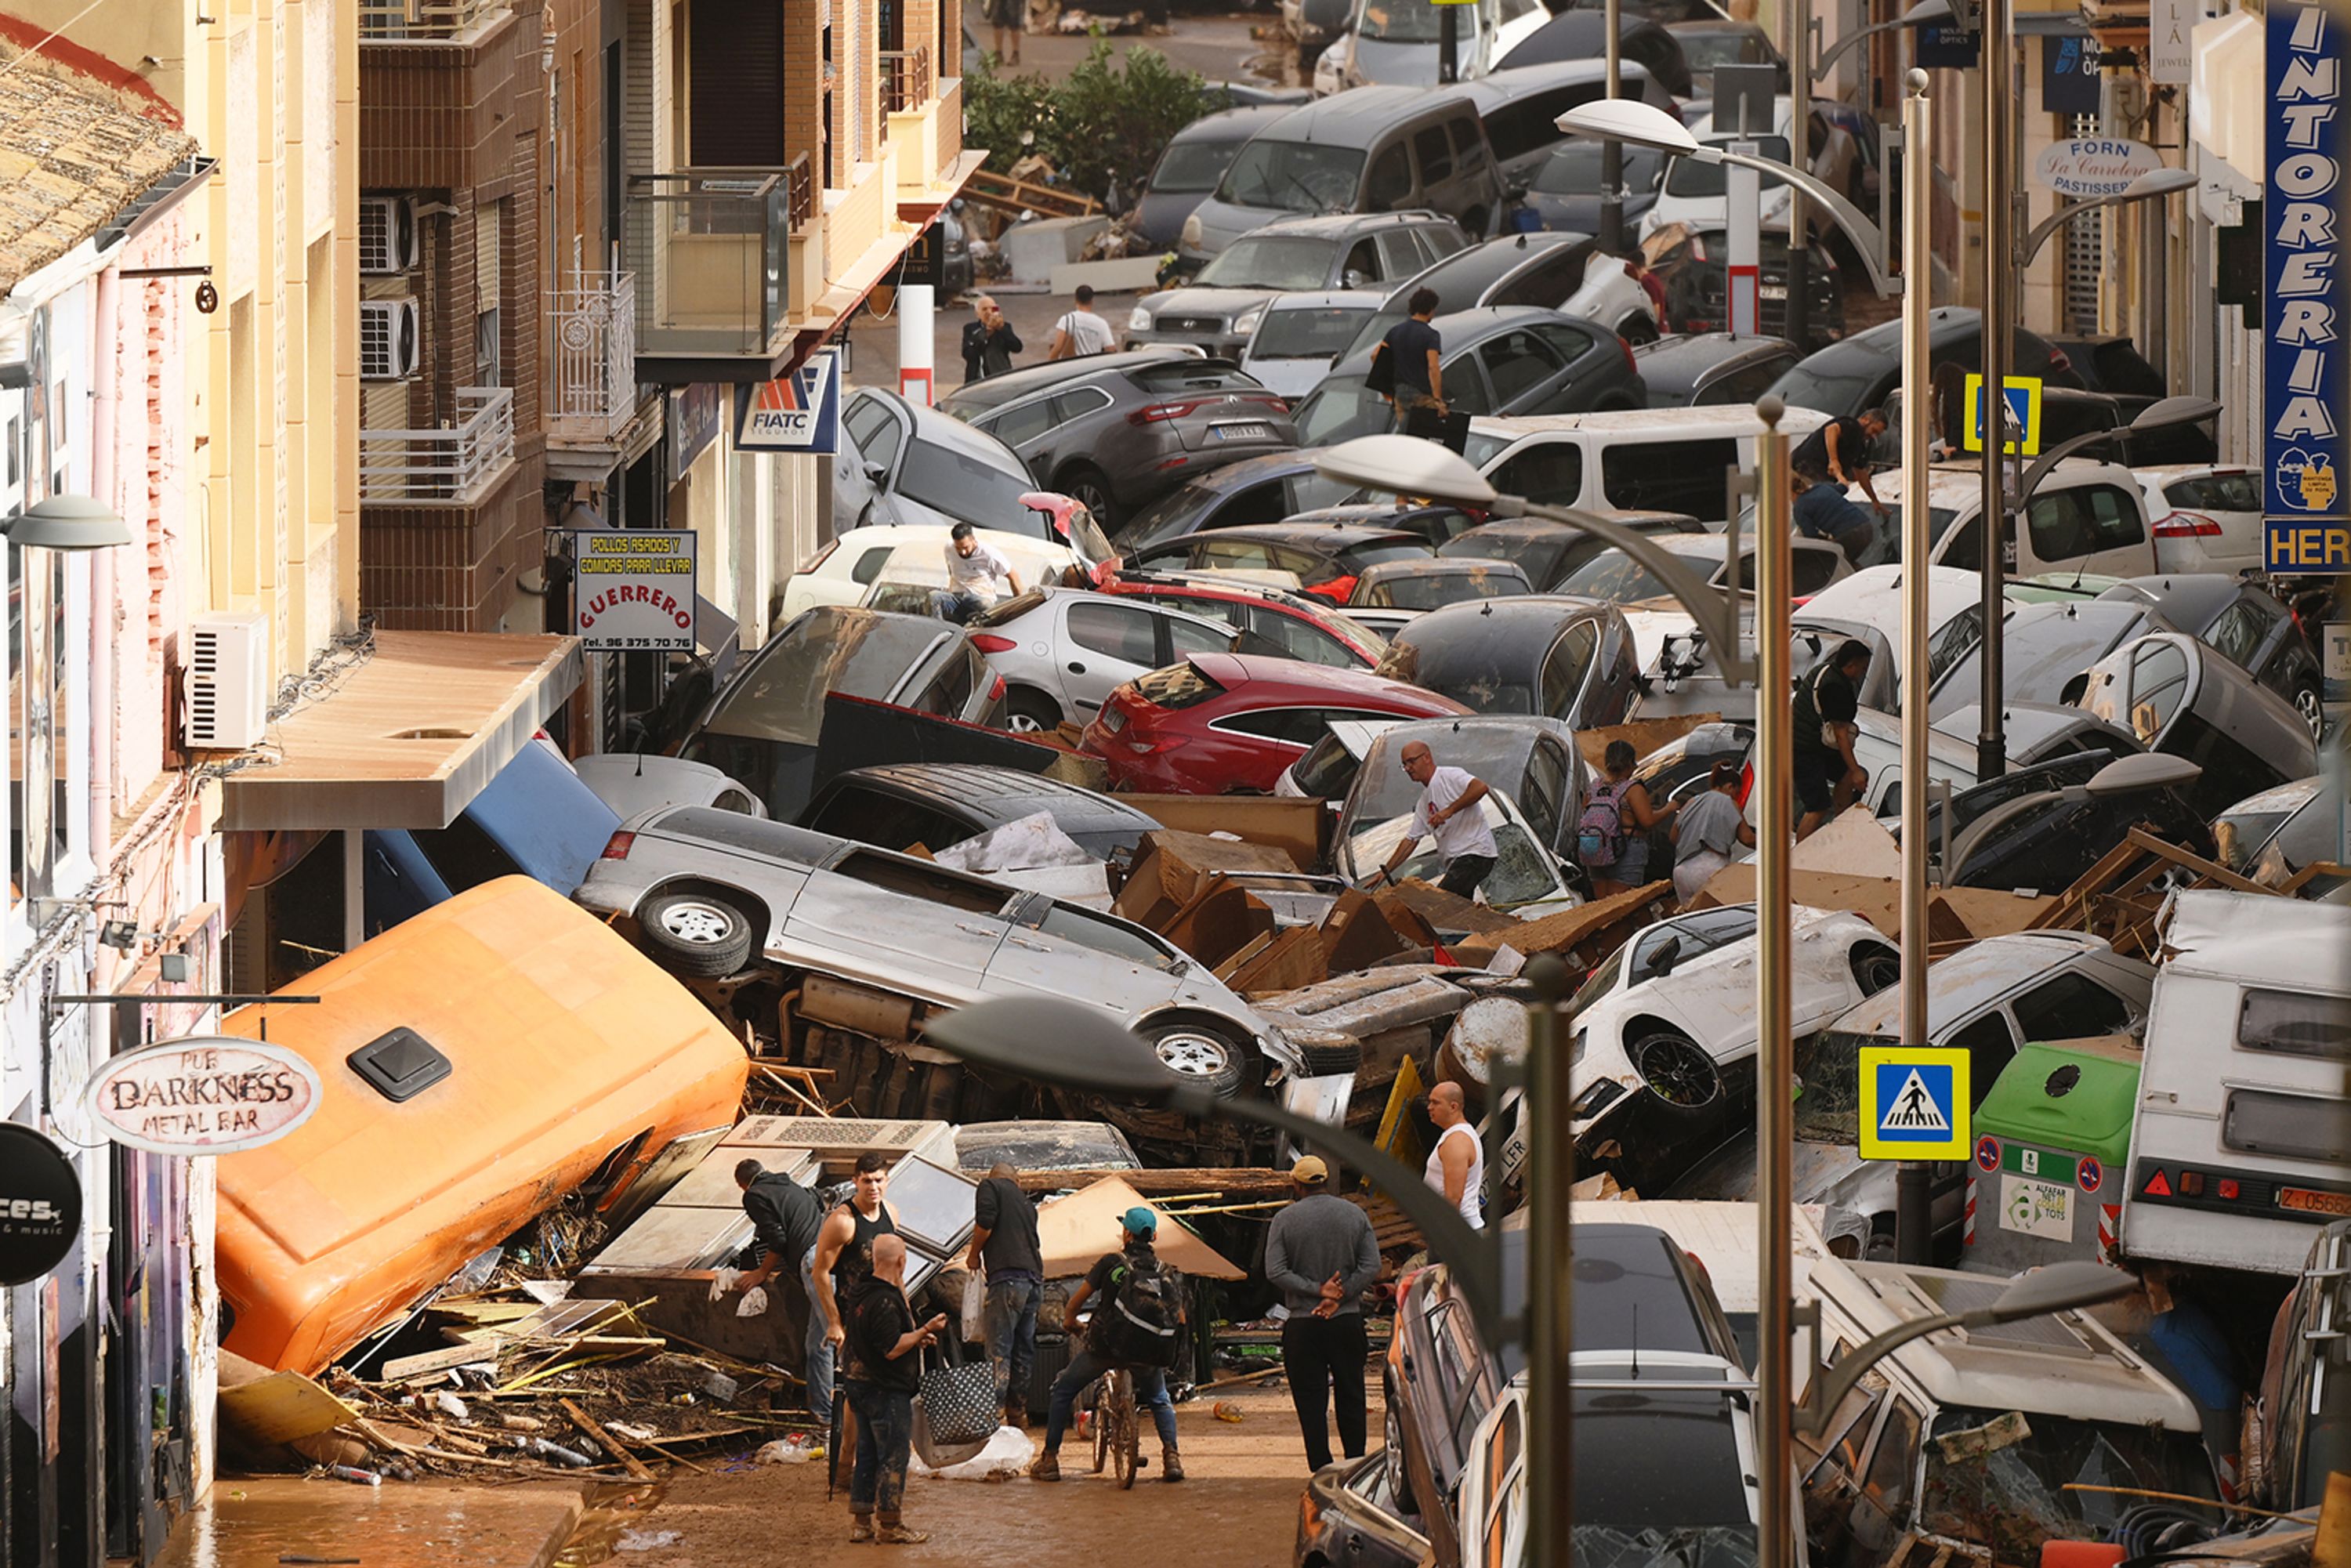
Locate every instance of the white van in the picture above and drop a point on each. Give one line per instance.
(2086, 517)
(2242, 1145)
(1649, 459)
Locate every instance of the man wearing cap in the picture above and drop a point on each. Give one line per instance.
(1321, 1255)
(1138, 1255)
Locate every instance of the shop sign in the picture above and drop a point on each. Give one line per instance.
(40, 1204)
(2069, 75)
(2302, 295)
(2088, 166)
(632, 589)
(798, 412)
(694, 416)
(204, 1095)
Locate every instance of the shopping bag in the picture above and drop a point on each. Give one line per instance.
(957, 1402)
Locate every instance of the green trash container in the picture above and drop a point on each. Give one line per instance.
(2053, 1137)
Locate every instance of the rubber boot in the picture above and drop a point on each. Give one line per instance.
(1171, 1463)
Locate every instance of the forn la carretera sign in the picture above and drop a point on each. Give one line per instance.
(206, 1094)
(2090, 166)
(2303, 296)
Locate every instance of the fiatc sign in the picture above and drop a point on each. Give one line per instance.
(2302, 371)
(207, 1094)
(632, 589)
(798, 412)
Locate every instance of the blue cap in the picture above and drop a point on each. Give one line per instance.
(1142, 1221)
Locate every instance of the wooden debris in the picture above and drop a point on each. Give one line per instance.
(636, 1467)
(281, 1407)
(2117, 899)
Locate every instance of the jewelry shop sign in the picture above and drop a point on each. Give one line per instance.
(204, 1095)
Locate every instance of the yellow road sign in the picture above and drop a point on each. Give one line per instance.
(1914, 1103)
(2023, 407)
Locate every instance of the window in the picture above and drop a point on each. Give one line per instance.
(1226, 610)
(1669, 476)
(1953, 640)
(1122, 632)
(1298, 638)
(1840, 1441)
(1439, 240)
(951, 692)
(1814, 570)
(1989, 1045)
(869, 565)
(1190, 637)
(2232, 772)
(1266, 503)
(2216, 493)
(885, 820)
(1966, 550)
(2297, 1023)
(1468, 143)
(1564, 669)
(2158, 685)
(1362, 262)
(2069, 1007)
(1500, 1457)
(881, 448)
(2239, 633)
(1084, 928)
(1550, 472)
(1435, 158)
(1885, 1499)
(1743, 385)
(2290, 1127)
(1391, 180)
(1077, 402)
(2082, 522)
(1568, 342)
(1544, 788)
(1291, 726)
(941, 887)
(1023, 423)
(865, 417)
(1465, 387)
(1400, 257)
(1517, 362)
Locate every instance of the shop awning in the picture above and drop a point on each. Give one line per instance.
(408, 738)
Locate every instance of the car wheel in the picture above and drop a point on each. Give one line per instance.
(1391, 1438)
(2307, 703)
(1090, 486)
(695, 934)
(1202, 1054)
(1874, 968)
(1638, 328)
(1323, 1061)
(1030, 712)
(1679, 1075)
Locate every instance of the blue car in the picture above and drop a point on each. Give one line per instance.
(536, 818)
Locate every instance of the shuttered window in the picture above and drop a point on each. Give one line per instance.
(735, 116)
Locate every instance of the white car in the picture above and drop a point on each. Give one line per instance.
(1301, 335)
(1063, 650)
(2207, 518)
(910, 553)
(1527, 880)
(2086, 518)
(630, 782)
(1396, 41)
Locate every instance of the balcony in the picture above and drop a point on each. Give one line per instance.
(457, 465)
(592, 355)
(906, 79)
(710, 250)
(437, 22)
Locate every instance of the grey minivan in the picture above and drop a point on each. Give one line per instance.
(1370, 149)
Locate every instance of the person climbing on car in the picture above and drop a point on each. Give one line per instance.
(1827, 707)
(1839, 450)
(1448, 808)
(1823, 510)
(1612, 837)
(1137, 1325)
(977, 576)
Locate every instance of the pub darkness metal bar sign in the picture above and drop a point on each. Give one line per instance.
(2302, 372)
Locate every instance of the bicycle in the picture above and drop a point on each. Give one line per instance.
(1116, 1433)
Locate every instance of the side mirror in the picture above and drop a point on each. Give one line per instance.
(1661, 962)
(875, 473)
(1355, 277)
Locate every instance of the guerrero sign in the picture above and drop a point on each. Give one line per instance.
(2094, 166)
(2302, 368)
(207, 1094)
(633, 590)
(40, 1204)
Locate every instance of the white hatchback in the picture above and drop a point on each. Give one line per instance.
(910, 553)
(2207, 518)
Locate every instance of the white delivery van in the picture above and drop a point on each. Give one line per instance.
(1634, 459)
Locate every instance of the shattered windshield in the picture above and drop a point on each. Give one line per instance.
(1706, 1546)
(1999, 1479)
(1829, 1109)
(1522, 872)
(780, 696)
(1294, 176)
(1495, 753)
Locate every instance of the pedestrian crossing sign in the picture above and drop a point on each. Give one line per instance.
(1914, 1103)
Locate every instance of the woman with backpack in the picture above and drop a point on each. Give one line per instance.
(1613, 834)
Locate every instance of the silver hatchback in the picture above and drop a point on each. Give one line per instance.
(1061, 650)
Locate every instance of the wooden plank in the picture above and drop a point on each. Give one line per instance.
(1228, 1182)
(281, 1407)
(2219, 874)
(428, 1363)
(636, 1466)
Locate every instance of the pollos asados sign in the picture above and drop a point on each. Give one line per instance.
(206, 1094)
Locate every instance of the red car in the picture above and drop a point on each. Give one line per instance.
(1222, 722)
(1290, 623)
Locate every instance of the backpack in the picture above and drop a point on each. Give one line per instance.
(1139, 1325)
(1381, 377)
(1600, 831)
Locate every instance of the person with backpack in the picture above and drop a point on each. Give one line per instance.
(1448, 807)
(1827, 707)
(1137, 1325)
(1612, 837)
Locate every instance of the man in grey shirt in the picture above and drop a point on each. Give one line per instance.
(1320, 1253)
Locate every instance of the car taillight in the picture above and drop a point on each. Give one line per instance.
(1154, 413)
(1698, 324)
(1632, 366)
(989, 643)
(1746, 783)
(2185, 526)
(996, 690)
(616, 848)
(2060, 362)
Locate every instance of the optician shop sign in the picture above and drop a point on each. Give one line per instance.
(2090, 166)
(2303, 296)
(206, 1094)
(632, 589)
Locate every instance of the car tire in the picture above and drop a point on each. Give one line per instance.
(1876, 968)
(696, 934)
(1028, 711)
(1637, 328)
(1392, 1442)
(1203, 1054)
(1324, 1060)
(1090, 486)
(1683, 1081)
(2312, 707)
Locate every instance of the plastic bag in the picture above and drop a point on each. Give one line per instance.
(975, 1306)
(723, 1280)
(1006, 1454)
(754, 1301)
(796, 1449)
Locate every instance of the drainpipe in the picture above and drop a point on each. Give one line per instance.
(105, 391)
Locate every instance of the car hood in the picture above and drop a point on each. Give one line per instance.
(1225, 303)
(1381, 63)
(1581, 214)
(1223, 221)
(1159, 216)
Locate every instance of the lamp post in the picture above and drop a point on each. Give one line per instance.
(1913, 1179)
(1926, 13)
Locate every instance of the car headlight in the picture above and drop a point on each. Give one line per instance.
(1190, 234)
(1138, 320)
(1245, 322)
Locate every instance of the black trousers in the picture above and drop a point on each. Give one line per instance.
(1464, 874)
(1324, 1360)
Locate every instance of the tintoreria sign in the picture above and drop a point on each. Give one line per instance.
(2302, 372)
(206, 1094)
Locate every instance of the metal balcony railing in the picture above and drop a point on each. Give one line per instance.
(906, 78)
(455, 465)
(426, 21)
(709, 249)
(593, 392)
(799, 174)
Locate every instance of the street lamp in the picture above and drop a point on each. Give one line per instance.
(2160, 415)
(1408, 466)
(2153, 184)
(2059, 1288)
(1926, 13)
(1644, 125)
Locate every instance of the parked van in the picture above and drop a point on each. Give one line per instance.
(2053, 1142)
(2244, 1132)
(480, 1063)
(1372, 150)
(1656, 459)
(2088, 518)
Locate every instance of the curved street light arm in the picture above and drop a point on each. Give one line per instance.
(2030, 245)
(1836, 52)
(1715, 611)
(1830, 1386)
(1857, 228)
(2047, 461)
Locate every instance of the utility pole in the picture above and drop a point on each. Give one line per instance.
(1612, 152)
(1999, 189)
(1913, 1190)
(1796, 46)
(1448, 44)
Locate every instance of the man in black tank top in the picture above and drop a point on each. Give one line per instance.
(844, 1247)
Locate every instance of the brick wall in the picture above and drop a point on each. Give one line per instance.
(804, 85)
(451, 569)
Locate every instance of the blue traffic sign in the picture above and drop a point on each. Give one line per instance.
(1914, 1103)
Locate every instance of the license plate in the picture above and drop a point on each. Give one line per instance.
(1113, 720)
(1243, 432)
(2310, 1202)
(1772, 290)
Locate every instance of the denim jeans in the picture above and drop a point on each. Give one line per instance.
(885, 1436)
(957, 605)
(1150, 1391)
(816, 1351)
(1010, 1322)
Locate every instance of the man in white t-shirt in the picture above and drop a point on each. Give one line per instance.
(1081, 331)
(1449, 801)
(977, 576)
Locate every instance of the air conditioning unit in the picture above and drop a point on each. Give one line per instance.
(228, 682)
(387, 235)
(388, 346)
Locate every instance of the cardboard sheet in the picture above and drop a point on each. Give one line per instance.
(1073, 1231)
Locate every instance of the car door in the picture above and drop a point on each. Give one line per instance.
(908, 925)
(1064, 950)
(1544, 797)
(1100, 644)
(1027, 427)
(1567, 670)
(1524, 372)
(1400, 253)
(861, 466)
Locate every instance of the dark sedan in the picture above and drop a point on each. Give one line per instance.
(1538, 268)
(1711, 369)
(1431, 521)
(1325, 558)
(1194, 160)
(1711, 43)
(1503, 359)
(1254, 490)
(1583, 36)
(1568, 659)
(1858, 373)
(1694, 267)
(937, 804)
(1119, 430)
(1565, 191)
(1548, 552)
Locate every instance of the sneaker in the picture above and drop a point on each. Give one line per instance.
(899, 1535)
(1171, 1463)
(861, 1529)
(1045, 1467)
